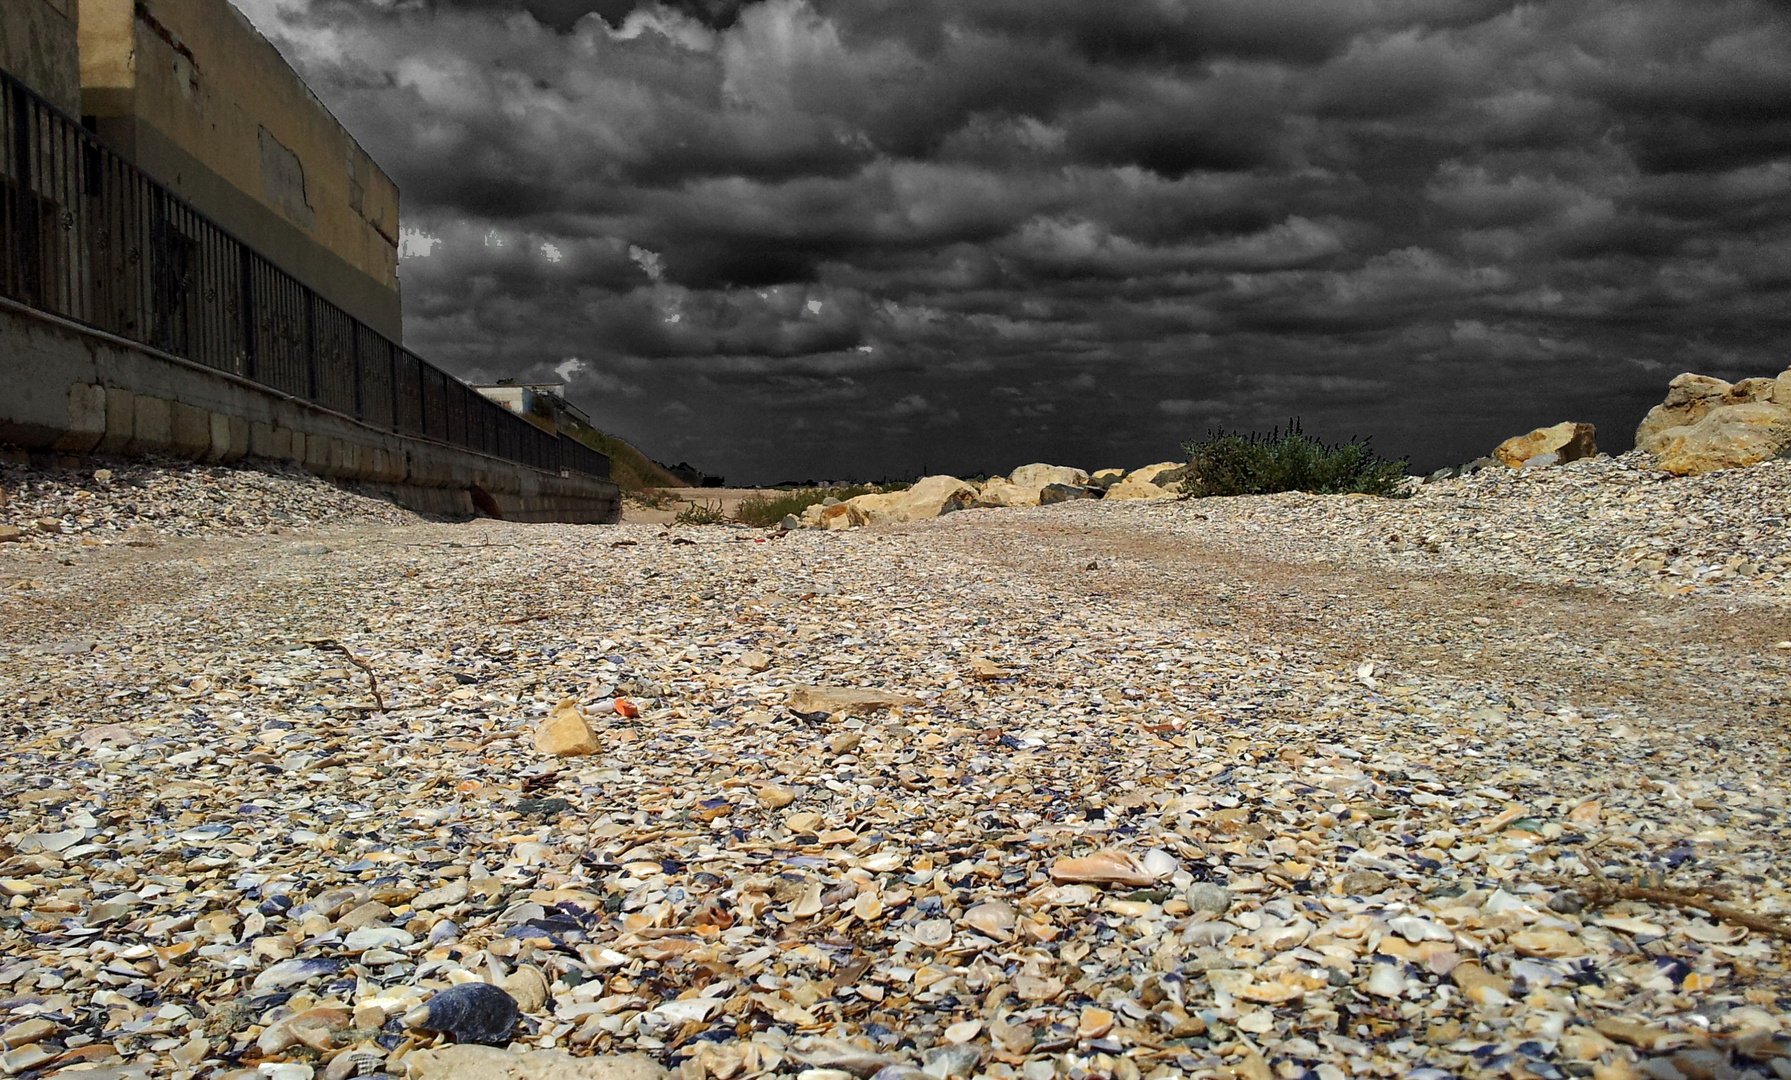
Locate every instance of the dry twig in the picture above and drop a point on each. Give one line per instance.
(1604, 891)
(372, 680)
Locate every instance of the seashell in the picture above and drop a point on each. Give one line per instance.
(473, 1012)
(1105, 867)
(1093, 1023)
(1160, 863)
(992, 918)
(1699, 930)
(933, 932)
(292, 972)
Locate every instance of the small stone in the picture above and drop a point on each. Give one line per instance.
(1093, 1023)
(1481, 986)
(963, 1031)
(529, 987)
(790, 523)
(565, 732)
(1365, 883)
(755, 661)
(1205, 896)
(981, 667)
(368, 914)
(848, 701)
(844, 743)
(442, 896)
(775, 796)
(11, 534)
(29, 1031)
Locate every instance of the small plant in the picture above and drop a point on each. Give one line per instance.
(706, 514)
(765, 511)
(1227, 463)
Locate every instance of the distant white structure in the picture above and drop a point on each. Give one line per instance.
(540, 404)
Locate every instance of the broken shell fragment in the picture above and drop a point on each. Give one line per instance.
(473, 1012)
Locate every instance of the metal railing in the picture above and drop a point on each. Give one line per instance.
(86, 235)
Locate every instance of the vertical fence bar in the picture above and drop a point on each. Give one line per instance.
(88, 236)
(246, 277)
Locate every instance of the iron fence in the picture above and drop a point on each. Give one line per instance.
(87, 236)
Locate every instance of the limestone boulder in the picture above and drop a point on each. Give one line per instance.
(1142, 483)
(1707, 424)
(1000, 491)
(1691, 397)
(1038, 475)
(1056, 493)
(1566, 442)
(930, 497)
(1728, 437)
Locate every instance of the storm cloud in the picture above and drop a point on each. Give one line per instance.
(817, 238)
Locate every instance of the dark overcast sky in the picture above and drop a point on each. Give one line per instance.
(828, 238)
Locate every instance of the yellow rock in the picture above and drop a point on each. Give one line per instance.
(1548, 943)
(1094, 1023)
(849, 700)
(1568, 441)
(775, 796)
(564, 733)
(1480, 985)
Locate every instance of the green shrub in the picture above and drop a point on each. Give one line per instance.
(1231, 464)
(706, 514)
(767, 510)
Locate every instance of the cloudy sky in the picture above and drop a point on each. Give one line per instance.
(828, 238)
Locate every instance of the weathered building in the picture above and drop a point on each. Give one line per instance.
(38, 46)
(193, 95)
(541, 404)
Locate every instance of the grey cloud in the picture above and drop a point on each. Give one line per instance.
(1076, 230)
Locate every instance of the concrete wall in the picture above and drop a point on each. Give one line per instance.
(74, 390)
(192, 94)
(38, 47)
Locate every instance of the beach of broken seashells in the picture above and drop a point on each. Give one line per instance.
(844, 805)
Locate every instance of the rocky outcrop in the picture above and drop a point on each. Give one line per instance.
(927, 498)
(1038, 474)
(1056, 493)
(1029, 485)
(1000, 491)
(1148, 482)
(1555, 445)
(1707, 424)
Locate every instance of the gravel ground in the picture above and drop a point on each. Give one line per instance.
(1231, 788)
(143, 501)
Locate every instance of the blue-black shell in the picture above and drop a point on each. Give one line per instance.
(473, 1012)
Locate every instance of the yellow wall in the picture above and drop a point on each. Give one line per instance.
(197, 98)
(37, 47)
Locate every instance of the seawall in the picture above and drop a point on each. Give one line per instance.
(69, 389)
